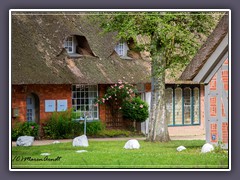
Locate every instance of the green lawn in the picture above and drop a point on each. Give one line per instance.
(110, 154)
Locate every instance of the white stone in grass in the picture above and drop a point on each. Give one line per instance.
(25, 141)
(80, 141)
(132, 144)
(181, 148)
(45, 154)
(56, 142)
(207, 148)
(81, 151)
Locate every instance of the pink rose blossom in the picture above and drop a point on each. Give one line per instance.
(115, 84)
(32, 127)
(110, 97)
(96, 105)
(141, 106)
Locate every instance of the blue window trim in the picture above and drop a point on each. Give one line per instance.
(192, 105)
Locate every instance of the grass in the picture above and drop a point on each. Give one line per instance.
(110, 154)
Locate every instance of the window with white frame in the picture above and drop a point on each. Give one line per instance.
(68, 44)
(183, 106)
(83, 102)
(121, 48)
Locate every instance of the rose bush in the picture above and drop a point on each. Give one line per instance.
(135, 110)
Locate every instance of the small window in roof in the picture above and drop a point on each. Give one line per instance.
(77, 46)
(121, 49)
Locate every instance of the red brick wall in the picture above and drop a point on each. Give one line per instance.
(225, 132)
(44, 92)
(213, 83)
(102, 107)
(225, 79)
(213, 106)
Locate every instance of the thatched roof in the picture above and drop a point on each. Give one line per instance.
(38, 56)
(206, 50)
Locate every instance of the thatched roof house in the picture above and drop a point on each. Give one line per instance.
(38, 55)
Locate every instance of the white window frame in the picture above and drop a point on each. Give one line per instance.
(67, 42)
(121, 48)
(76, 98)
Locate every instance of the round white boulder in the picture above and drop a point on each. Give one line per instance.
(132, 144)
(25, 141)
(207, 148)
(80, 141)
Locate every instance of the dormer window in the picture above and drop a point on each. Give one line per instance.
(77, 46)
(121, 48)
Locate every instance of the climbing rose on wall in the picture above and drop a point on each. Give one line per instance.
(116, 95)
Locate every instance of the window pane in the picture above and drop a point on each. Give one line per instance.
(196, 106)
(187, 106)
(119, 48)
(85, 100)
(74, 94)
(178, 106)
(68, 44)
(169, 105)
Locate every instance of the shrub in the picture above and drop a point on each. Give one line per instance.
(94, 127)
(135, 110)
(25, 129)
(61, 125)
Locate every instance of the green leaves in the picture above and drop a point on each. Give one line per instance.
(135, 110)
(178, 34)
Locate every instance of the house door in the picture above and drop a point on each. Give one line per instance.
(147, 98)
(32, 108)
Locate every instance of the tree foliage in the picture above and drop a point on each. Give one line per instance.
(173, 39)
(179, 34)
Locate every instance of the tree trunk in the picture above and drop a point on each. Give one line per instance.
(158, 126)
